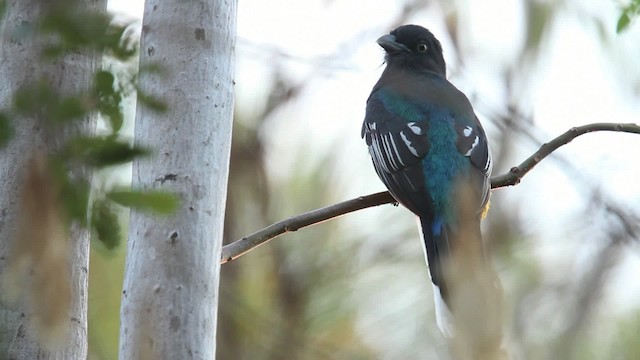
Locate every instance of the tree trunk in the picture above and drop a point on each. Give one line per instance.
(170, 296)
(20, 64)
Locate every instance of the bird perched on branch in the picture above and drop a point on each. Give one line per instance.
(429, 149)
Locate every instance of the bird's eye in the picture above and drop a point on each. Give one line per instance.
(422, 48)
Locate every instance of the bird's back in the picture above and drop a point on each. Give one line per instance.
(425, 100)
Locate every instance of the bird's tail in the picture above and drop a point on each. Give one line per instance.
(437, 247)
(467, 294)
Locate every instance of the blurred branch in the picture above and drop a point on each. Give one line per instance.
(513, 177)
(594, 281)
(516, 173)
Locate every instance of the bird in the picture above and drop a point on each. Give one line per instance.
(429, 149)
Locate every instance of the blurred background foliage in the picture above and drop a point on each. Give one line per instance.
(564, 241)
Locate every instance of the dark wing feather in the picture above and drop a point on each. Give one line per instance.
(472, 143)
(396, 147)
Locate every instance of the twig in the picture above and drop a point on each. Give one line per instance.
(240, 247)
(513, 177)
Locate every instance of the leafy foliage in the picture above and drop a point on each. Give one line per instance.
(156, 201)
(102, 151)
(64, 30)
(109, 99)
(88, 31)
(105, 223)
(75, 198)
(41, 98)
(3, 9)
(629, 12)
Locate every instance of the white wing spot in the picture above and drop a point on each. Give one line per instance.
(473, 146)
(467, 131)
(408, 143)
(415, 128)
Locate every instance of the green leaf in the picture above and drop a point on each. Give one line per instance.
(104, 82)
(71, 108)
(53, 51)
(539, 16)
(40, 97)
(74, 191)
(102, 151)
(76, 199)
(104, 221)
(74, 27)
(33, 98)
(155, 201)
(629, 13)
(3, 9)
(623, 22)
(114, 114)
(109, 99)
(119, 43)
(6, 130)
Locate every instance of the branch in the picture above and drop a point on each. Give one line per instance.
(516, 173)
(513, 177)
(240, 247)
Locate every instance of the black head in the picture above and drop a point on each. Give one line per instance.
(415, 47)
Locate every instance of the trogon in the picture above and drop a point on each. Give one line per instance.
(430, 150)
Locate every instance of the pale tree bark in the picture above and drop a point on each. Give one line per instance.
(170, 295)
(22, 334)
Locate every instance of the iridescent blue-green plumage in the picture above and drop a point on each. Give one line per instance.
(426, 142)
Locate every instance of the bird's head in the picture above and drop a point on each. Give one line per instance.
(414, 47)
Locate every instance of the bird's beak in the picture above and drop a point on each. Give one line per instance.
(389, 44)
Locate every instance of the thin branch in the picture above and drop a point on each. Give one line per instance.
(513, 177)
(240, 247)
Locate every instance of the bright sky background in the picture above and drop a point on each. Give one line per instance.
(580, 81)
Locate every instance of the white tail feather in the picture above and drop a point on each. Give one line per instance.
(444, 318)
